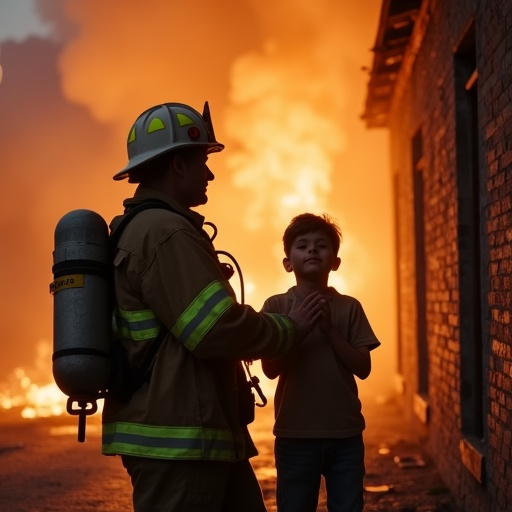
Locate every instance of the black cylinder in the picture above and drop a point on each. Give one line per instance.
(82, 313)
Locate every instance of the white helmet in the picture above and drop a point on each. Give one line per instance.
(165, 127)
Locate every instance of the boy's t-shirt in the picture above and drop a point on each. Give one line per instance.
(316, 396)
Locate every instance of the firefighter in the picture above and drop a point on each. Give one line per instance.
(179, 435)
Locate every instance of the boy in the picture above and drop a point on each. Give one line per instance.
(318, 420)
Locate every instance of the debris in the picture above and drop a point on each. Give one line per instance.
(378, 488)
(409, 461)
(10, 447)
(435, 491)
(384, 449)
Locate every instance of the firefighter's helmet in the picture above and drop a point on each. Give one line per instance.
(166, 127)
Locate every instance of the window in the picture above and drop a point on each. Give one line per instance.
(471, 236)
(418, 165)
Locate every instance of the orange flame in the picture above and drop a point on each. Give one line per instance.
(284, 83)
(32, 389)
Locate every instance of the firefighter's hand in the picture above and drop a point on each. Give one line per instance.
(307, 313)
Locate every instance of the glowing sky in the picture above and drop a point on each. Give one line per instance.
(286, 89)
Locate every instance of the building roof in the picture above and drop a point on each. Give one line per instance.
(396, 25)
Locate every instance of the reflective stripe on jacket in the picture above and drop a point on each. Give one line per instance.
(196, 443)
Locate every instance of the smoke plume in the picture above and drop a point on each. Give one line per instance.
(286, 90)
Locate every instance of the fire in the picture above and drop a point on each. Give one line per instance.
(43, 401)
(32, 390)
(34, 400)
(286, 89)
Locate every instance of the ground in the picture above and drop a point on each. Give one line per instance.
(43, 468)
(411, 484)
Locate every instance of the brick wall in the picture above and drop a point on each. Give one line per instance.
(496, 117)
(425, 100)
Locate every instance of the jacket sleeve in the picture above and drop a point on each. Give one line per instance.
(184, 286)
(273, 367)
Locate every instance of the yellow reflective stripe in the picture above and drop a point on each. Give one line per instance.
(202, 314)
(137, 325)
(168, 442)
(285, 328)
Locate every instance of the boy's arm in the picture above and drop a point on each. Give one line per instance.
(356, 360)
(272, 368)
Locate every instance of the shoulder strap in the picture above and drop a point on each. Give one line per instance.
(142, 373)
(131, 212)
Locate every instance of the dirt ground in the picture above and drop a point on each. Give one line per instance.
(44, 469)
(415, 486)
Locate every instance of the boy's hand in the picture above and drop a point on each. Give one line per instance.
(325, 320)
(308, 313)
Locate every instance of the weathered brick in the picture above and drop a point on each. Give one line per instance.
(425, 102)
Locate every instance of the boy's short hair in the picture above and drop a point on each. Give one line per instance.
(308, 222)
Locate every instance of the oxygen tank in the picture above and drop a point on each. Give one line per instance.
(82, 312)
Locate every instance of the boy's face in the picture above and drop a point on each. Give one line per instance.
(311, 255)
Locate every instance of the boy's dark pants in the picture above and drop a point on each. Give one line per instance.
(300, 464)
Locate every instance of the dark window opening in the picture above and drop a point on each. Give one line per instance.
(469, 237)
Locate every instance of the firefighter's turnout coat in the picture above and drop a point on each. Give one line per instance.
(167, 276)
